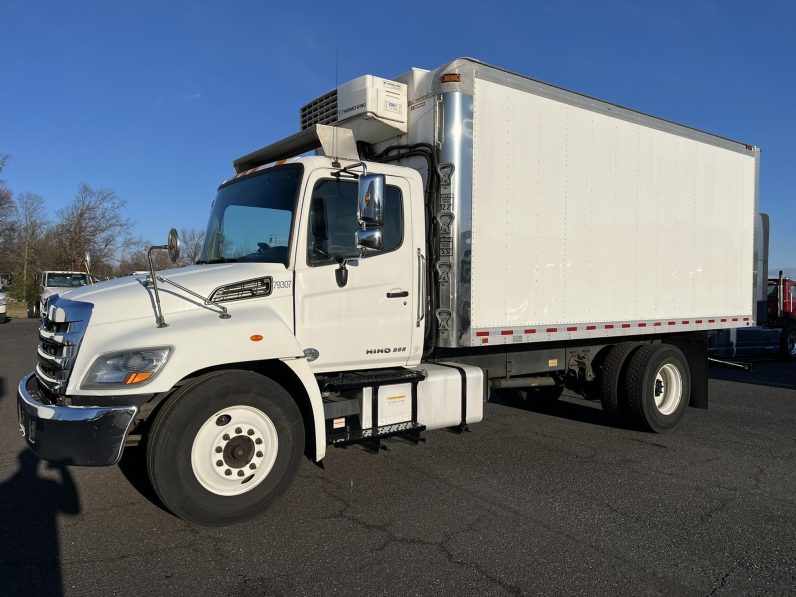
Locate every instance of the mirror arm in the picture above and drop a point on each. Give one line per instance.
(224, 314)
(159, 319)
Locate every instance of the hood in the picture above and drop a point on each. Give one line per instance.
(128, 298)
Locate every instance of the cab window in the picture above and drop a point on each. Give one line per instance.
(333, 222)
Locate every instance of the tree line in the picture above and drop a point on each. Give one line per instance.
(93, 222)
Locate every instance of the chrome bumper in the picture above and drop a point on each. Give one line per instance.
(81, 435)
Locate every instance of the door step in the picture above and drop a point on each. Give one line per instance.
(410, 430)
(353, 380)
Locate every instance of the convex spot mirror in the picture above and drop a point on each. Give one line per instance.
(370, 239)
(370, 201)
(173, 245)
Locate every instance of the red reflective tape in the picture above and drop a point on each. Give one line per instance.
(723, 320)
(482, 333)
(735, 319)
(625, 325)
(642, 325)
(591, 327)
(746, 319)
(506, 332)
(698, 321)
(685, 322)
(572, 329)
(552, 329)
(530, 331)
(657, 324)
(711, 321)
(672, 323)
(609, 326)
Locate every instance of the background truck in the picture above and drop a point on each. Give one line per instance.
(457, 231)
(53, 282)
(775, 299)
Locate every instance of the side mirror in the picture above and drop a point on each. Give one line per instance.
(173, 246)
(370, 238)
(370, 200)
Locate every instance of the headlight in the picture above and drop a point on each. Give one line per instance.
(125, 368)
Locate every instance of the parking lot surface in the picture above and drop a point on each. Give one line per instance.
(531, 501)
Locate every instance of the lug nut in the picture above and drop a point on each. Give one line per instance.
(219, 463)
(241, 473)
(227, 472)
(259, 454)
(252, 466)
(238, 430)
(219, 449)
(225, 437)
(258, 441)
(250, 432)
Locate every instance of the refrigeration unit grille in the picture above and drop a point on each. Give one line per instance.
(322, 110)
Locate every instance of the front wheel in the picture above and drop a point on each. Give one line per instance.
(224, 447)
(658, 387)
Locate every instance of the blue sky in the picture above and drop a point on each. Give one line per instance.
(155, 99)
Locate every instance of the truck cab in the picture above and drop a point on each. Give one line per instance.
(53, 282)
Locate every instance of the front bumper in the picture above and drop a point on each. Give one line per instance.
(80, 435)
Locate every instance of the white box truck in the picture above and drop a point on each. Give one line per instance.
(454, 232)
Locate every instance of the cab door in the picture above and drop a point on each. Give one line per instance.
(370, 320)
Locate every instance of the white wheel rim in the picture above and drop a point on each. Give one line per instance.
(234, 450)
(668, 389)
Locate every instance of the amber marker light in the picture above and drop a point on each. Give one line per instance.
(255, 338)
(134, 378)
(450, 78)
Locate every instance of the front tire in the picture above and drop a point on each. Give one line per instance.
(658, 387)
(224, 447)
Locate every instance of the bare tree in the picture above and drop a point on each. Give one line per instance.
(191, 243)
(93, 222)
(29, 232)
(6, 216)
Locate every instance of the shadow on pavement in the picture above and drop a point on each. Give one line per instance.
(574, 409)
(133, 467)
(30, 562)
(775, 374)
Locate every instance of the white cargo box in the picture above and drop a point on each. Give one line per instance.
(564, 217)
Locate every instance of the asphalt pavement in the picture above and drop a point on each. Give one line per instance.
(531, 501)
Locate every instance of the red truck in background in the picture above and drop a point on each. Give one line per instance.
(775, 332)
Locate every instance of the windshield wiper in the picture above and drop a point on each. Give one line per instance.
(218, 260)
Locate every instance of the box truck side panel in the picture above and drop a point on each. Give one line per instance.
(583, 218)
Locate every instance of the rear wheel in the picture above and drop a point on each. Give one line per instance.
(788, 347)
(658, 387)
(612, 374)
(224, 447)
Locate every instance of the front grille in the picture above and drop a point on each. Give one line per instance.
(60, 333)
(320, 111)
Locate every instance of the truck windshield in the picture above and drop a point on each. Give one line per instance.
(251, 218)
(58, 280)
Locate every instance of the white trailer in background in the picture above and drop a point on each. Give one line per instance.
(458, 230)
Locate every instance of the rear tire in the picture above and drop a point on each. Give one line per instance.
(613, 374)
(658, 387)
(788, 346)
(224, 447)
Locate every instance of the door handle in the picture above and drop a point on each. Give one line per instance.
(399, 294)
